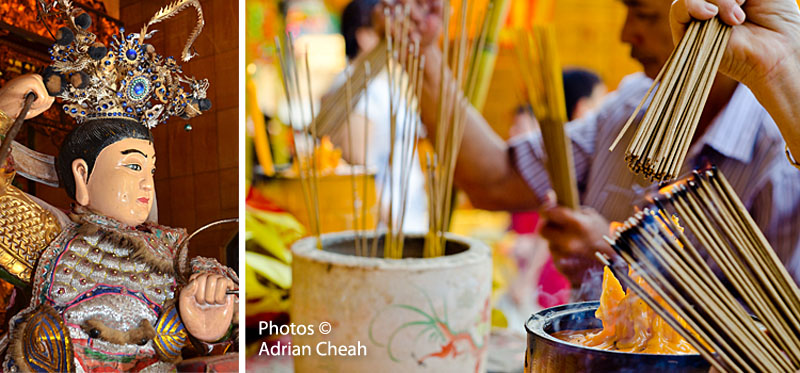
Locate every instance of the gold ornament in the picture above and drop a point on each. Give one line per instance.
(26, 228)
(127, 79)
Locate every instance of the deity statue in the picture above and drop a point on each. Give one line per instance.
(110, 289)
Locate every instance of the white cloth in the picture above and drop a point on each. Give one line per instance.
(377, 105)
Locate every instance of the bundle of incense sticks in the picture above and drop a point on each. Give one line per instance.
(484, 61)
(305, 146)
(335, 108)
(537, 58)
(359, 214)
(404, 88)
(453, 107)
(674, 265)
(405, 68)
(661, 141)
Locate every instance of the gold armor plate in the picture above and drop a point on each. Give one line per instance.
(26, 229)
(43, 343)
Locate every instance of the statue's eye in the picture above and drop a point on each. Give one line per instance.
(134, 166)
(153, 171)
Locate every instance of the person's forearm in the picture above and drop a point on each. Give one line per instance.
(780, 96)
(430, 89)
(482, 164)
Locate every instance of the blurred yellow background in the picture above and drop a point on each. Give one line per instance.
(587, 34)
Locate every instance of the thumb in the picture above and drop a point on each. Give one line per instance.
(231, 308)
(189, 290)
(684, 11)
(550, 200)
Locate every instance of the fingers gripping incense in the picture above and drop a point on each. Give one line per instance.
(660, 143)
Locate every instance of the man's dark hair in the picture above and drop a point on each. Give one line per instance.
(356, 15)
(87, 140)
(578, 83)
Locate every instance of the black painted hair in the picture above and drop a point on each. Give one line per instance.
(356, 15)
(578, 83)
(87, 140)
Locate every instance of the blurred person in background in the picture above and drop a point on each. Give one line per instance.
(360, 38)
(584, 91)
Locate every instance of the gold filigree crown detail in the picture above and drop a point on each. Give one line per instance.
(127, 79)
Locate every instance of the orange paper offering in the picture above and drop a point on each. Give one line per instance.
(629, 325)
(327, 158)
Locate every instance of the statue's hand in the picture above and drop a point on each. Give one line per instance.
(205, 309)
(12, 96)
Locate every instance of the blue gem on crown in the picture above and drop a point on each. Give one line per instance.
(131, 54)
(138, 89)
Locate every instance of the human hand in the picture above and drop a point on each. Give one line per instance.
(205, 308)
(574, 237)
(765, 41)
(425, 19)
(12, 96)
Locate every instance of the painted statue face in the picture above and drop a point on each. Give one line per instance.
(121, 183)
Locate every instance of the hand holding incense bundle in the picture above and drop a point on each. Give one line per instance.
(537, 58)
(716, 324)
(662, 139)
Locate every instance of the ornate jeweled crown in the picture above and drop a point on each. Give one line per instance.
(126, 80)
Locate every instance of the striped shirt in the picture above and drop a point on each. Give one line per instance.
(742, 141)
